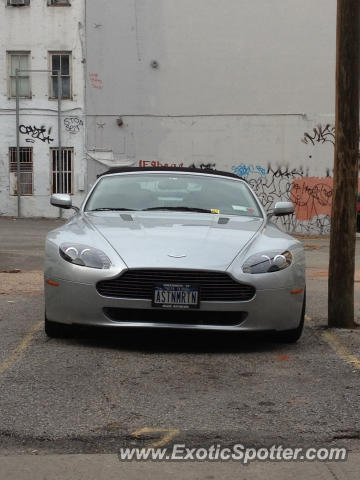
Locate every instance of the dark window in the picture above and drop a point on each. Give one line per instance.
(60, 62)
(62, 170)
(26, 171)
(18, 3)
(59, 3)
(20, 61)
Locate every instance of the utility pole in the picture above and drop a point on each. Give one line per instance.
(343, 215)
(18, 188)
(60, 165)
(60, 157)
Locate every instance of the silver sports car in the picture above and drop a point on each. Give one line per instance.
(174, 248)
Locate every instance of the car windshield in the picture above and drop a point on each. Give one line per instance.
(182, 192)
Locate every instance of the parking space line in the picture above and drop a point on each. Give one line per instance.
(169, 435)
(340, 349)
(20, 349)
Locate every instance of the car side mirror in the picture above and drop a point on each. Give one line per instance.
(61, 200)
(283, 208)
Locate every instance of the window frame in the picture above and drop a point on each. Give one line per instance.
(9, 4)
(13, 169)
(53, 185)
(13, 53)
(53, 3)
(53, 95)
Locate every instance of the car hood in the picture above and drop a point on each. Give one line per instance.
(155, 239)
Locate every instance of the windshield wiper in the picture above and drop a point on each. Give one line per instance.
(179, 209)
(106, 209)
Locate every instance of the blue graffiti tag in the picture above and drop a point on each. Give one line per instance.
(246, 170)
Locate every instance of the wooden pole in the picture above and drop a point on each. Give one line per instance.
(343, 216)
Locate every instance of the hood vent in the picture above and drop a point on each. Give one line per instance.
(126, 217)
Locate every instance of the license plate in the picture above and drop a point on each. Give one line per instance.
(176, 296)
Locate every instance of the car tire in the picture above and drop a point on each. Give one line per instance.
(293, 335)
(56, 330)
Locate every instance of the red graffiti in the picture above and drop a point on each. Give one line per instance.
(95, 81)
(155, 163)
(312, 197)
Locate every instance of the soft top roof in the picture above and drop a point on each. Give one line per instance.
(170, 169)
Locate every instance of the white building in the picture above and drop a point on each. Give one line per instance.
(45, 35)
(239, 85)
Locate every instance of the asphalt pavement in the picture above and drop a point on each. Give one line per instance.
(81, 399)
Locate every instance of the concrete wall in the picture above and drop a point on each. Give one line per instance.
(238, 85)
(39, 29)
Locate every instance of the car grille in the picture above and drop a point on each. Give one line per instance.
(176, 317)
(213, 286)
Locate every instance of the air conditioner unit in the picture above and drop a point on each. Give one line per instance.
(18, 3)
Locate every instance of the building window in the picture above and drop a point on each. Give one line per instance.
(59, 3)
(26, 171)
(62, 171)
(18, 3)
(60, 61)
(20, 61)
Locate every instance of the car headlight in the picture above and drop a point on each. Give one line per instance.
(267, 262)
(84, 255)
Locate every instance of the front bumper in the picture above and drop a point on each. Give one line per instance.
(81, 304)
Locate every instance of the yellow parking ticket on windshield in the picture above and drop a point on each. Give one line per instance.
(215, 210)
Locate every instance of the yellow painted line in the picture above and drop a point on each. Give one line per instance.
(340, 350)
(20, 349)
(169, 434)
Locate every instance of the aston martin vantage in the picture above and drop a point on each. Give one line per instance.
(174, 248)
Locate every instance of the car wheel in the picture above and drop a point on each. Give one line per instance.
(56, 330)
(293, 335)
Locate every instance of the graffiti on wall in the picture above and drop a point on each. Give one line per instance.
(320, 134)
(95, 81)
(272, 184)
(72, 125)
(36, 133)
(246, 170)
(311, 196)
(156, 163)
(203, 166)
